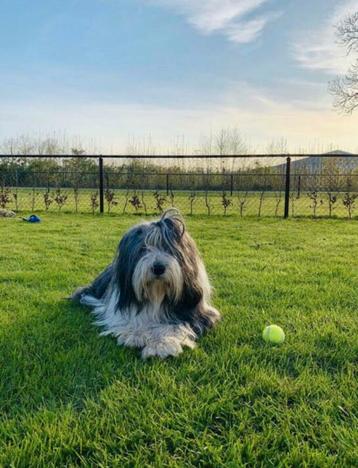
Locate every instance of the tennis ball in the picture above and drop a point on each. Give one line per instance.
(273, 334)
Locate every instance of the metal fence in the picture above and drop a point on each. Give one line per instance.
(243, 185)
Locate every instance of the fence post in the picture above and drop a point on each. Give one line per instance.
(231, 184)
(101, 185)
(287, 187)
(299, 187)
(167, 184)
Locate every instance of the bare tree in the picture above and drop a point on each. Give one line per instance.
(226, 142)
(348, 32)
(345, 88)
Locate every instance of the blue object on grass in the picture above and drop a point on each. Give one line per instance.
(32, 219)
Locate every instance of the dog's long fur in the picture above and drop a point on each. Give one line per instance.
(155, 295)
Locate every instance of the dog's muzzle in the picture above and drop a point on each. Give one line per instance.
(158, 269)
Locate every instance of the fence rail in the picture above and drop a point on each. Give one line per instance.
(257, 185)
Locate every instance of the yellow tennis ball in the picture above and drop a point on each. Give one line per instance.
(273, 334)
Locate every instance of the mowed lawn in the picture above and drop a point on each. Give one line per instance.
(69, 397)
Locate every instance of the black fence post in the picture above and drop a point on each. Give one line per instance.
(287, 187)
(231, 184)
(299, 187)
(167, 184)
(101, 184)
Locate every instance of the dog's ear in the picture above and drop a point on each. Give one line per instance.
(174, 223)
(128, 253)
(192, 294)
(190, 308)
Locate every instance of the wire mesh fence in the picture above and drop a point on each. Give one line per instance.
(248, 185)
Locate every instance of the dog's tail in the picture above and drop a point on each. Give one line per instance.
(90, 301)
(78, 294)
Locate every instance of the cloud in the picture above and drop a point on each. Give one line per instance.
(319, 50)
(227, 17)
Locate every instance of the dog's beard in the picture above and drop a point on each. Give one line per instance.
(149, 287)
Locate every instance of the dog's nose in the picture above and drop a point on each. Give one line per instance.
(158, 269)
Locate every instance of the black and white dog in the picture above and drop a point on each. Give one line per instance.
(155, 295)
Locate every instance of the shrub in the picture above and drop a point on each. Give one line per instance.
(349, 201)
(226, 202)
(315, 202)
(60, 199)
(159, 201)
(5, 197)
(109, 196)
(332, 199)
(135, 202)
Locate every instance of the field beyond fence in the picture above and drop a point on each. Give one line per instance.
(243, 185)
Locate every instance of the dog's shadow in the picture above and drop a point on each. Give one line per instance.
(59, 359)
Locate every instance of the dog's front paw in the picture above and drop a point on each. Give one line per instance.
(162, 349)
(132, 339)
(214, 315)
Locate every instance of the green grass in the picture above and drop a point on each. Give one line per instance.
(69, 397)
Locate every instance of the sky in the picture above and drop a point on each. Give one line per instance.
(111, 72)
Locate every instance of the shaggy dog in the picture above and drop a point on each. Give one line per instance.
(155, 295)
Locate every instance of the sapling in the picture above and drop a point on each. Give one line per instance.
(172, 197)
(278, 198)
(15, 195)
(242, 202)
(5, 196)
(315, 201)
(76, 198)
(332, 200)
(349, 201)
(135, 202)
(192, 198)
(159, 201)
(143, 203)
(94, 202)
(60, 199)
(109, 195)
(226, 202)
(47, 200)
(126, 197)
(207, 204)
(261, 202)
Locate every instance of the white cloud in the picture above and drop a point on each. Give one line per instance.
(227, 17)
(319, 50)
(246, 32)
